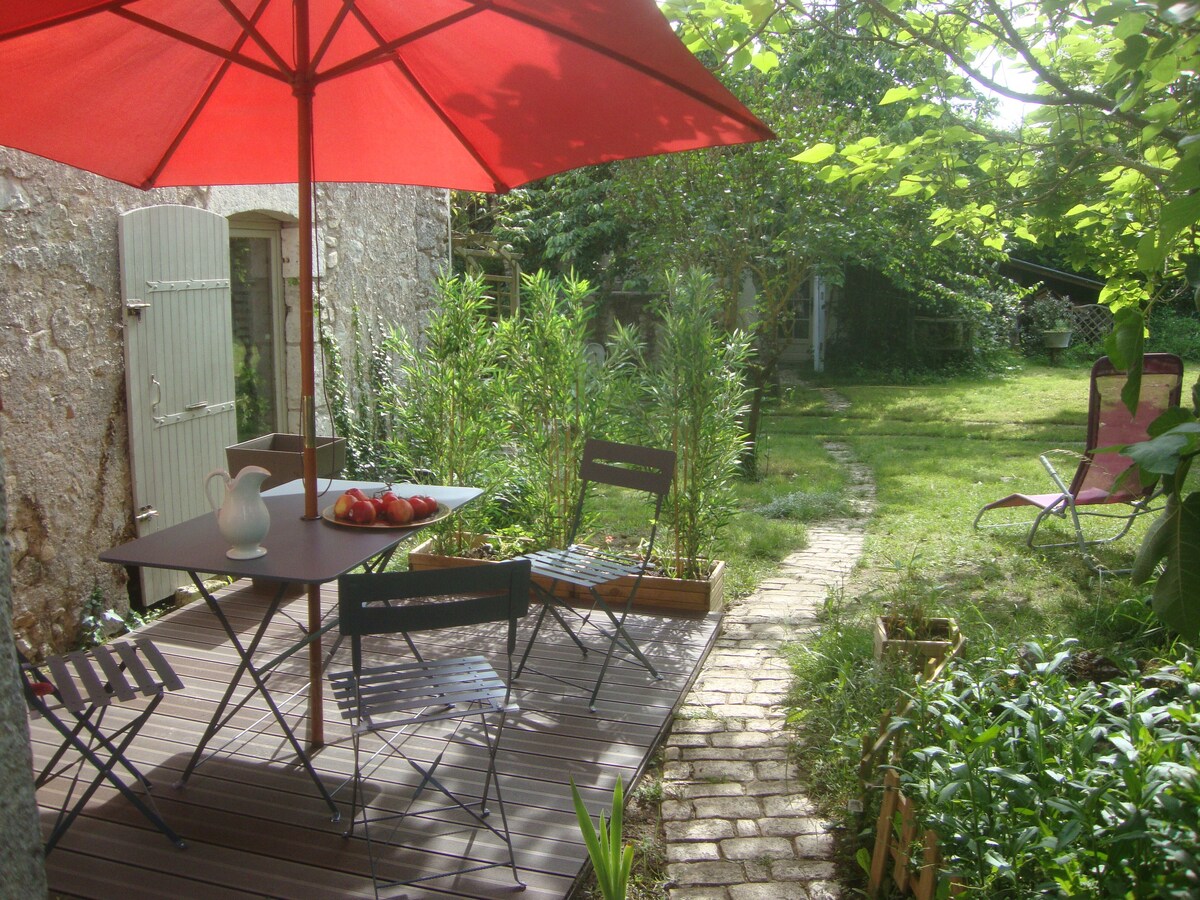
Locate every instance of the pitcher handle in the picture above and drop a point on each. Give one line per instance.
(216, 508)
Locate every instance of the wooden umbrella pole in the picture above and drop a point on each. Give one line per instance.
(303, 89)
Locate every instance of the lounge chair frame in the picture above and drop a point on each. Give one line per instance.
(1106, 485)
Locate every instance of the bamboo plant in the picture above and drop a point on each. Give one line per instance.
(696, 387)
(448, 406)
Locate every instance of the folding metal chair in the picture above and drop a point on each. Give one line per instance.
(73, 693)
(626, 466)
(423, 711)
(1105, 485)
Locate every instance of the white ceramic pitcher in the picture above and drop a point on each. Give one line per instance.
(242, 517)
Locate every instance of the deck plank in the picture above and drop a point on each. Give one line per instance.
(255, 824)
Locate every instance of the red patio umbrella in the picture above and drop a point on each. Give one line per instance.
(480, 95)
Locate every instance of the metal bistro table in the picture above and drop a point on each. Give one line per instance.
(299, 552)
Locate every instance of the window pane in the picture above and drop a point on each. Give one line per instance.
(253, 335)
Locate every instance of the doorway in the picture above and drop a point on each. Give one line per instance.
(258, 312)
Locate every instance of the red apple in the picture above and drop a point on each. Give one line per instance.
(362, 512)
(341, 507)
(419, 505)
(399, 511)
(357, 494)
(387, 497)
(379, 505)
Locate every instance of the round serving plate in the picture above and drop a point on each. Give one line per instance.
(442, 511)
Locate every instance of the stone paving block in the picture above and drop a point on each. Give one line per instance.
(791, 826)
(727, 807)
(700, 851)
(739, 711)
(697, 893)
(824, 890)
(803, 870)
(740, 739)
(793, 803)
(746, 828)
(718, 770)
(708, 873)
(691, 790)
(677, 771)
(756, 848)
(676, 810)
(772, 770)
(769, 891)
(814, 846)
(698, 724)
(699, 830)
(696, 739)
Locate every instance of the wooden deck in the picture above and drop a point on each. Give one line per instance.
(256, 826)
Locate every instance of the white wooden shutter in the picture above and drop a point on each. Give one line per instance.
(178, 365)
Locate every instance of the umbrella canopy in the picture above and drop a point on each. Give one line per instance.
(479, 95)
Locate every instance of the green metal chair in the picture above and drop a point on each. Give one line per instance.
(626, 466)
(73, 693)
(401, 709)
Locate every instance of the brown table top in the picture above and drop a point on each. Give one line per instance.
(298, 551)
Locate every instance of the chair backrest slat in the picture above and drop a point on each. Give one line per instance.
(628, 466)
(454, 597)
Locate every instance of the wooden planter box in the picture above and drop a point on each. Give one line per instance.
(283, 456)
(675, 596)
(896, 865)
(928, 653)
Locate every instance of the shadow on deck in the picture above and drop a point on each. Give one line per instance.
(255, 824)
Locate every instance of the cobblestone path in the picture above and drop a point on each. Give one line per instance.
(739, 825)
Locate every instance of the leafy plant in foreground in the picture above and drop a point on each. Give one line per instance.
(1039, 780)
(611, 861)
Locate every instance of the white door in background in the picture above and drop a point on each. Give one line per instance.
(175, 290)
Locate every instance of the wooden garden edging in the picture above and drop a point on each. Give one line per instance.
(896, 825)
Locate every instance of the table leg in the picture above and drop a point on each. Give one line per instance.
(316, 671)
(220, 718)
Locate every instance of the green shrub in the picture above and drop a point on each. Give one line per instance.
(1052, 771)
(1174, 332)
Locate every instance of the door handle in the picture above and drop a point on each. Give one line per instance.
(145, 514)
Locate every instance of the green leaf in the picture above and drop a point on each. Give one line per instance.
(815, 154)
(896, 94)
(907, 188)
(1178, 215)
(1154, 546)
(611, 862)
(1163, 453)
(1176, 597)
(1125, 346)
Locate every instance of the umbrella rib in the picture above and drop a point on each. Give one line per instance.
(385, 51)
(213, 83)
(501, 186)
(742, 115)
(183, 37)
(62, 19)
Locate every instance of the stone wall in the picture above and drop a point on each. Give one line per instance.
(62, 353)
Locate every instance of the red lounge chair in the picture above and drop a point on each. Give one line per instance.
(1098, 488)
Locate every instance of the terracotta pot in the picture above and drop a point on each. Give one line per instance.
(676, 596)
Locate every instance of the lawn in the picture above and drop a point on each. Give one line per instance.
(937, 454)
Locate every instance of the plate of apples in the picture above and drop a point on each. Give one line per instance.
(386, 509)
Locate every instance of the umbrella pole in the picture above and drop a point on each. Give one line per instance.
(303, 90)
